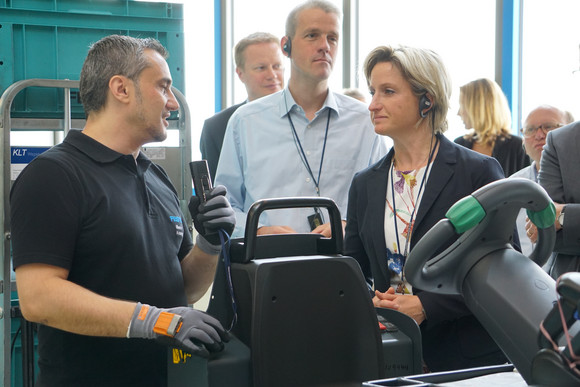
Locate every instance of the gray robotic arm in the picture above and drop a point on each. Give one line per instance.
(508, 292)
(555, 365)
(485, 222)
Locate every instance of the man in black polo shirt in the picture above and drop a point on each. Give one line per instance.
(103, 258)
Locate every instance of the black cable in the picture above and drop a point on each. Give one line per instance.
(14, 340)
(225, 242)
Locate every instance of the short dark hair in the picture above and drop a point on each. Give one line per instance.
(110, 56)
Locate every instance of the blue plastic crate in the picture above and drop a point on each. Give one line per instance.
(50, 39)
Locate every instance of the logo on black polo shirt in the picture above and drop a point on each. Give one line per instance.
(178, 224)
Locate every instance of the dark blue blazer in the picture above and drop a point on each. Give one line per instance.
(456, 173)
(212, 137)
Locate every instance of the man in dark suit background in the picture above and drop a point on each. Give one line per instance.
(559, 177)
(260, 68)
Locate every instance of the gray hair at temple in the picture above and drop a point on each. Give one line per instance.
(110, 56)
(292, 19)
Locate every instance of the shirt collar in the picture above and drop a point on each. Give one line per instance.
(287, 103)
(94, 149)
(534, 170)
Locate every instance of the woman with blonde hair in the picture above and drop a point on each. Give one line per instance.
(483, 107)
(393, 203)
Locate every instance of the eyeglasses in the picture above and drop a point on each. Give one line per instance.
(546, 127)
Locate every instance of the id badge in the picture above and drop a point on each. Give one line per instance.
(315, 220)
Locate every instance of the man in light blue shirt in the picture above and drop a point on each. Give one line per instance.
(302, 141)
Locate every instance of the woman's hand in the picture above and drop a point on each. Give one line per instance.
(404, 303)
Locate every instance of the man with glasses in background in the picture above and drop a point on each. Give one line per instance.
(537, 124)
(559, 177)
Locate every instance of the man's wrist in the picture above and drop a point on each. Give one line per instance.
(149, 322)
(140, 326)
(561, 216)
(207, 247)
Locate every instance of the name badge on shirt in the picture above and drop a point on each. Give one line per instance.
(315, 220)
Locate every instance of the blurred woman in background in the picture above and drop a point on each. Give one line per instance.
(483, 108)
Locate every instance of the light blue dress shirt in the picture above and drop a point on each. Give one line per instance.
(261, 159)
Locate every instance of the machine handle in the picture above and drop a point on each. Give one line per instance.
(294, 202)
(482, 222)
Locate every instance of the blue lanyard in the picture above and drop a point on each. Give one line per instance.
(411, 225)
(303, 155)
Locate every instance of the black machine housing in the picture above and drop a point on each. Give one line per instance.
(304, 316)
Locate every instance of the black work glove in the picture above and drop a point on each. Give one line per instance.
(216, 213)
(182, 327)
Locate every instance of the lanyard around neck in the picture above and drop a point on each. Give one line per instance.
(411, 225)
(303, 155)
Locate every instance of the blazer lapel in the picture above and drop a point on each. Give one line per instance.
(376, 196)
(441, 172)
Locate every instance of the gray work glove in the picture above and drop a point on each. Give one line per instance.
(182, 327)
(216, 213)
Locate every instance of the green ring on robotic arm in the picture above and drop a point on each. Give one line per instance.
(544, 218)
(465, 214)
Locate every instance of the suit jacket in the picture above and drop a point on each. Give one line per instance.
(559, 177)
(212, 137)
(452, 337)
